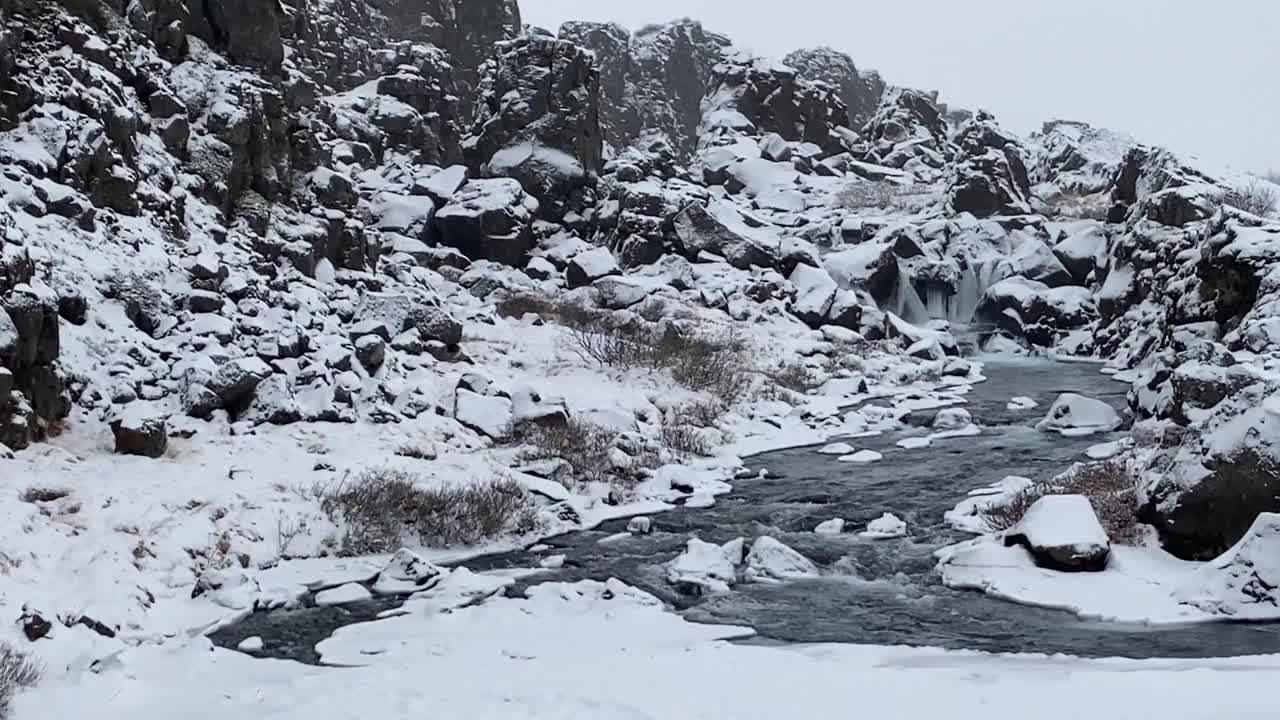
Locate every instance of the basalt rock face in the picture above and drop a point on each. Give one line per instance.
(990, 177)
(771, 98)
(653, 81)
(860, 90)
(32, 394)
(466, 29)
(539, 121)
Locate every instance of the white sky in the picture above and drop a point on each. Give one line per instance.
(1201, 76)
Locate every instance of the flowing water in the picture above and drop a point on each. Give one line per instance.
(877, 592)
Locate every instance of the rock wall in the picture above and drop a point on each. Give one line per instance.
(860, 90)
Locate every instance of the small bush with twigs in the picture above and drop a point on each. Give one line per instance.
(796, 377)
(588, 449)
(1256, 197)
(1110, 486)
(17, 672)
(382, 505)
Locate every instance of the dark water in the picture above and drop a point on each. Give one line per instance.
(876, 592)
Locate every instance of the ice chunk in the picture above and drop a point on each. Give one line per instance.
(834, 526)
(771, 561)
(862, 457)
(885, 527)
(707, 566)
(349, 593)
(837, 449)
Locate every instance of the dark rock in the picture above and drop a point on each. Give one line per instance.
(702, 231)
(248, 31)
(371, 351)
(35, 627)
(137, 433)
(489, 220)
(1040, 532)
(860, 90)
(587, 267)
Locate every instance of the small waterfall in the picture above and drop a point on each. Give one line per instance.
(907, 303)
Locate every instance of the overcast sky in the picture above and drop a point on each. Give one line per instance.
(1201, 76)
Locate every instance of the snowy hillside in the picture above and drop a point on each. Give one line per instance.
(288, 287)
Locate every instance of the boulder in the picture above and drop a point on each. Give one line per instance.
(407, 572)
(1073, 415)
(1220, 478)
(771, 561)
(248, 31)
(371, 351)
(587, 267)
(718, 228)
(139, 430)
(235, 381)
(489, 219)
(489, 415)
(815, 295)
(860, 90)
(1062, 533)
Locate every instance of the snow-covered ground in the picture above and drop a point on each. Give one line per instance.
(604, 651)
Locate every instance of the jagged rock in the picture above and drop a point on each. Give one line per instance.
(860, 90)
(908, 127)
(718, 229)
(489, 219)
(815, 294)
(1029, 309)
(538, 120)
(139, 431)
(248, 31)
(771, 98)
(273, 402)
(1220, 478)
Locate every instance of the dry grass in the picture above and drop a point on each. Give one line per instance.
(867, 194)
(1256, 197)
(417, 452)
(1110, 486)
(40, 494)
(684, 440)
(381, 505)
(796, 377)
(17, 672)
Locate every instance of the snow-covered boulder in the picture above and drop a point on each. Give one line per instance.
(587, 267)
(815, 293)
(1075, 415)
(834, 526)
(1244, 582)
(1220, 478)
(407, 572)
(490, 415)
(952, 419)
(1062, 532)
(489, 219)
(839, 448)
(140, 430)
(771, 561)
(706, 567)
(862, 457)
(640, 525)
(885, 527)
(719, 229)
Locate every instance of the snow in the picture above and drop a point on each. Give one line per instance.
(1102, 451)
(710, 566)
(966, 516)
(349, 593)
(251, 644)
(1244, 582)
(885, 527)
(834, 526)
(620, 647)
(552, 562)
(1074, 415)
(1137, 586)
(1022, 403)
(771, 561)
(837, 449)
(915, 443)
(862, 457)
(1063, 521)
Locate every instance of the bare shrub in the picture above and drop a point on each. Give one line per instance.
(684, 440)
(867, 194)
(1110, 486)
(42, 494)
(584, 445)
(417, 452)
(17, 672)
(698, 413)
(381, 505)
(1256, 197)
(618, 347)
(796, 377)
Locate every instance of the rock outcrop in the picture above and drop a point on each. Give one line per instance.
(860, 90)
